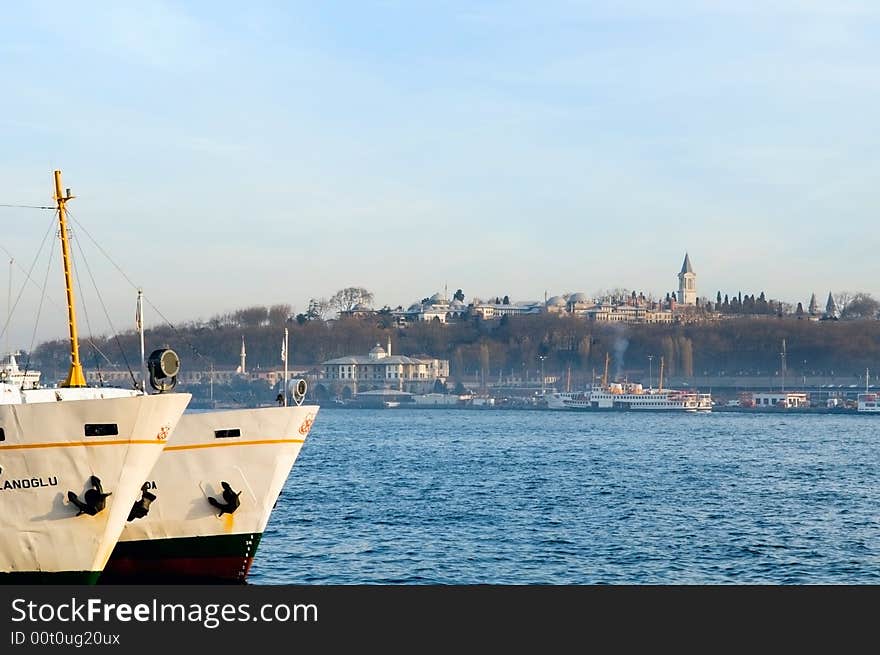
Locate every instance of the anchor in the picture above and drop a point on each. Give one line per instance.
(231, 497)
(95, 499)
(142, 507)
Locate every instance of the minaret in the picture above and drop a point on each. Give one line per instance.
(389, 345)
(243, 356)
(687, 283)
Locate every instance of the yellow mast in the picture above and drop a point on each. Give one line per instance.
(605, 375)
(661, 375)
(75, 378)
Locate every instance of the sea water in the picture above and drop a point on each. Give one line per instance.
(448, 496)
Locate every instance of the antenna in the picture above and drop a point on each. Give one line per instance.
(140, 328)
(9, 305)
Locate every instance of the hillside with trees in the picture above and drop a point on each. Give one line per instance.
(746, 345)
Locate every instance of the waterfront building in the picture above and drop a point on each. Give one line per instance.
(783, 399)
(379, 369)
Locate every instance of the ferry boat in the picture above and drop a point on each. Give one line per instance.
(868, 403)
(205, 505)
(72, 461)
(12, 375)
(209, 498)
(563, 399)
(631, 396)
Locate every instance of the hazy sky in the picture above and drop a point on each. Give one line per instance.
(229, 154)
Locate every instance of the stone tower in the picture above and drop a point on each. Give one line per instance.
(687, 283)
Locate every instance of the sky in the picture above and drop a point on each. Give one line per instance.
(225, 154)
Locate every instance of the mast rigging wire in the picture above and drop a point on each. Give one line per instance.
(192, 348)
(106, 313)
(28, 276)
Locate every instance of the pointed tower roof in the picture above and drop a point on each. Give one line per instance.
(831, 306)
(686, 265)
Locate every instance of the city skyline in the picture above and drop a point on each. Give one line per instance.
(228, 156)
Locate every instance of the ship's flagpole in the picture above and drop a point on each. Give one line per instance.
(140, 328)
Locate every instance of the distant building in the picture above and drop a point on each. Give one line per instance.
(489, 311)
(556, 305)
(783, 399)
(628, 313)
(615, 309)
(360, 310)
(687, 283)
(436, 308)
(349, 375)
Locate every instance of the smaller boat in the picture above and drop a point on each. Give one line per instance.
(12, 375)
(631, 396)
(868, 403)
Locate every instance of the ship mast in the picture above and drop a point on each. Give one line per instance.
(75, 378)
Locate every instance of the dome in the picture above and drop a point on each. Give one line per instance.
(378, 352)
(556, 301)
(438, 298)
(578, 298)
(457, 304)
(415, 307)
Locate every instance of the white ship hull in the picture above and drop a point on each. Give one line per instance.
(868, 403)
(183, 538)
(45, 453)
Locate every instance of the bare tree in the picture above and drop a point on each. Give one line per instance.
(861, 305)
(279, 314)
(347, 299)
(251, 316)
(318, 308)
(842, 299)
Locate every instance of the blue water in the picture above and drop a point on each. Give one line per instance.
(523, 497)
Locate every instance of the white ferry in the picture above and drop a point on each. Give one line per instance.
(631, 396)
(565, 399)
(72, 460)
(12, 375)
(868, 403)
